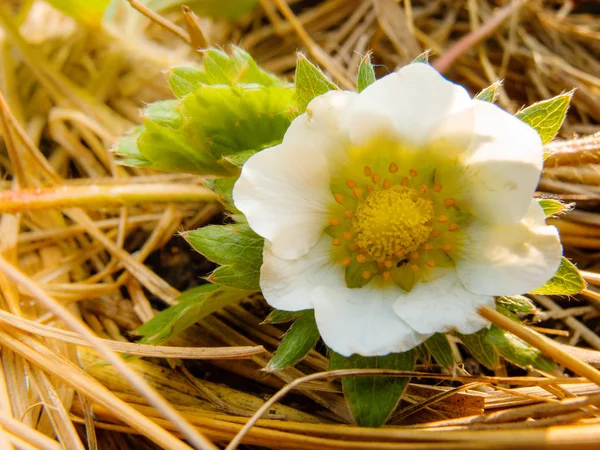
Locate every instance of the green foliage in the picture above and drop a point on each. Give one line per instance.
(481, 349)
(517, 351)
(566, 281)
(89, 12)
(192, 306)
(310, 83)
(439, 347)
(297, 342)
(490, 93)
(373, 399)
(517, 304)
(552, 207)
(366, 73)
(279, 316)
(224, 114)
(237, 248)
(547, 116)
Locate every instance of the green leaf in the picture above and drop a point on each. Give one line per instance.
(490, 93)
(547, 116)
(310, 83)
(192, 306)
(566, 281)
(237, 248)
(552, 207)
(373, 399)
(366, 73)
(297, 342)
(439, 347)
(423, 57)
(517, 304)
(481, 349)
(279, 316)
(89, 12)
(518, 351)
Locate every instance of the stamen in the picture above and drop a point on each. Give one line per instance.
(404, 181)
(361, 259)
(349, 214)
(412, 172)
(376, 178)
(388, 264)
(393, 167)
(428, 246)
(399, 253)
(436, 233)
(370, 188)
(346, 262)
(357, 192)
(351, 183)
(413, 267)
(443, 219)
(423, 189)
(386, 275)
(334, 222)
(448, 202)
(347, 235)
(452, 227)
(366, 274)
(414, 255)
(437, 187)
(447, 248)
(387, 184)
(368, 171)
(337, 242)
(338, 198)
(431, 263)
(353, 247)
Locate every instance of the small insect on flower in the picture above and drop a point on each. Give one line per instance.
(397, 212)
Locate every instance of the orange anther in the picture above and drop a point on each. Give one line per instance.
(398, 253)
(412, 172)
(447, 248)
(414, 255)
(452, 227)
(361, 259)
(351, 183)
(386, 275)
(357, 192)
(437, 187)
(346, 261)
(413, 267)
(349, 214)
(423, 189)
(431, 263)
(387, 184)
(404, 181)
(376, 178)
(337, 242)
(393, 168)
(368, 172)
(335, 221)
(366, 274)
(388, 264)
(370, 188)
(353, 247)
(338, 198)
(347, 235)
(428, 246)
(436, 233)
(443, 219)
(448, 202)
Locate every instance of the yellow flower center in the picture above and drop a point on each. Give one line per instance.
(392, 222)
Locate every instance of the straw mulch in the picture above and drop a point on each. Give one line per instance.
(73, 253)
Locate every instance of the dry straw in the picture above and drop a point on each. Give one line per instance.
(87, 254)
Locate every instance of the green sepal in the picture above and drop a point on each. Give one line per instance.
(552, 207)
(366, 73)
(186, 80)
(373, 399)
(223, 187)
(353, 274)
(547, 116)
(297, 342)
(439, 347)
(165, 113)
(237, 248)
(517, 304)
(423, 57)
(490, 93)
(310, 83)
(128, 152)
(192, 306)
(280, 316)
(481, 349)
(566, 281)
(517, 351)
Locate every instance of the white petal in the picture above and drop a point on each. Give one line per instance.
(362, 321)
(509, 259)
(503, 166)
(284, 190)
(288, 284)
(442, 305)
(413, 102)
